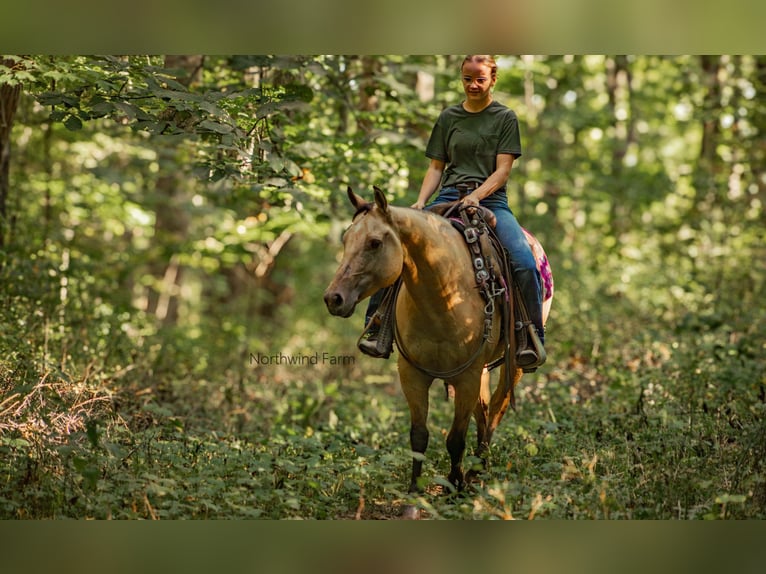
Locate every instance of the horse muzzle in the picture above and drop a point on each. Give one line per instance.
(339, 304)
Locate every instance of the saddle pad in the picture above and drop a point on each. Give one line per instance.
(543, 265)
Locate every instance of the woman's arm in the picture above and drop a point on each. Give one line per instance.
(431, 182)
(494, 182)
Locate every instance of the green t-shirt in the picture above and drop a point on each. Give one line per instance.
(469, 142)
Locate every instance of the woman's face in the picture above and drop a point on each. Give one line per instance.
(477, 81)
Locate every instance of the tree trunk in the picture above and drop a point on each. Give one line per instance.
(9, 100)
(368, 97)
(759, 152)
(618, 84)
(711, 109)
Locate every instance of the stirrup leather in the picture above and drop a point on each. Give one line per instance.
(380, 344)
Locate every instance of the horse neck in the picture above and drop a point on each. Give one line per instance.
(434, 258)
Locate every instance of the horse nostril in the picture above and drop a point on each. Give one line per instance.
(333, 300)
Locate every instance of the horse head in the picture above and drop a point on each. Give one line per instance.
(372, 256)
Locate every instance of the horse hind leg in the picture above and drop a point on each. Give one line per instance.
(481, 416)
(466, 399)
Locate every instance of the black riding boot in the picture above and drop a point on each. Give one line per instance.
(530, 353)
(372, 306)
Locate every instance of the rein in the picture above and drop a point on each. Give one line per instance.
(425, 370)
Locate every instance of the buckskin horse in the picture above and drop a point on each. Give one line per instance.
(439, 315)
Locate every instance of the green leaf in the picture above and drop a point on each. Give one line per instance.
(101, 109)
(15, 442)
(50, 98)
(216, 127)
(417, 455)
(128, 109)
(73, 123)
(153, 127)
(299, 92)
(211, 108)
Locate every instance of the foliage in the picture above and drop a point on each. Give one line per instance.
(173, 221)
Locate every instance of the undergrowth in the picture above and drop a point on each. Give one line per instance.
(649, 419)
(655, 441)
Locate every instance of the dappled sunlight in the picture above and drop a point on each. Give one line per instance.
(453, 299)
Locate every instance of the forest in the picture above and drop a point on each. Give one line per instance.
(168, 225)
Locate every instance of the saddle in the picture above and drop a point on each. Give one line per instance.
(448, 209)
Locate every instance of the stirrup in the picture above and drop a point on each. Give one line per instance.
(531, 353)
(377, 339)
(371, 343)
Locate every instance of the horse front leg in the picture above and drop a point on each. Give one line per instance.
(415, 387)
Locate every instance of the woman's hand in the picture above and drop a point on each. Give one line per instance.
(495, 181)
(418, 205)
(471, 200)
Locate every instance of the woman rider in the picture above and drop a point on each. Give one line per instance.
(472, 148)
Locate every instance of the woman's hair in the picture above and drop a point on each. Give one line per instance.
(486, 60)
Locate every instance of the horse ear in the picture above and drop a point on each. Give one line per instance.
(380, 199)
(356, 201)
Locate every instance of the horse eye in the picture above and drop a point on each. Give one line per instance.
(375, 243)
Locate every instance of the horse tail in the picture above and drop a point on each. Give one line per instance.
(504, 394)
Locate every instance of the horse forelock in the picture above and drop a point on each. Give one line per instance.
(364, 208)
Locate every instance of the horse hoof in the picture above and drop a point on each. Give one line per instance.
(411, 512)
